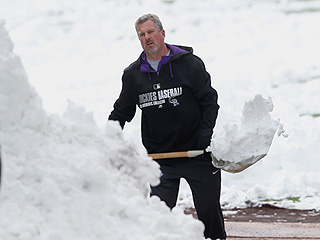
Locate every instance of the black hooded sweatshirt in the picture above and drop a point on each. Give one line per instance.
(179, 106)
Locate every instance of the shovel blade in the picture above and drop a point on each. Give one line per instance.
(235, 167)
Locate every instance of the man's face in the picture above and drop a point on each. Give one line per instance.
(150, 37)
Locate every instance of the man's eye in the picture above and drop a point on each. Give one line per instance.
(141, 34)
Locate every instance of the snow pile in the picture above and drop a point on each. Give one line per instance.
(64, 178)
(238, 147)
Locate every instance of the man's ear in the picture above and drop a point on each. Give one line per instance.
(163, 33)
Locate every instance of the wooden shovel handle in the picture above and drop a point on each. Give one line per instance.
(192, 153)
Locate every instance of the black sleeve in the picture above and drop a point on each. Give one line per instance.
(124, 108)
(208, 101)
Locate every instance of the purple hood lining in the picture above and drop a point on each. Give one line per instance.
(145, 67)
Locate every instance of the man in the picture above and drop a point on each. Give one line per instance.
(179, 109)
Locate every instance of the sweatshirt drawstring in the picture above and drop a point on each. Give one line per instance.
(171, 73)
(170, 70)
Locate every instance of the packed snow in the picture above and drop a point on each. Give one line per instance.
(67, 174)
(238, 147)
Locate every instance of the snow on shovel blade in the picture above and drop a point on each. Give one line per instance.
(237, 146)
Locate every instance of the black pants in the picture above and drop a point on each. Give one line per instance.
(205, 183)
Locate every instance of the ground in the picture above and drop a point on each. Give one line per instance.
(267, 213)
(269, 222)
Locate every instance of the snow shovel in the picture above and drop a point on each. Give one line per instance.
(228, 166)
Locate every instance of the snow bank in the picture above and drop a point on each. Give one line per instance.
(237, 147)
(64, 178)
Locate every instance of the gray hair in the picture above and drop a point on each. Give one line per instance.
(151, 17)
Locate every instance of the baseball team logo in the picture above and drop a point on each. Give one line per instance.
(174, 101)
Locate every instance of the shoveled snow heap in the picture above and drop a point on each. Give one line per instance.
(64, 178)
(238, 146)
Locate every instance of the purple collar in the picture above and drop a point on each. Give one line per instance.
(145, 67)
